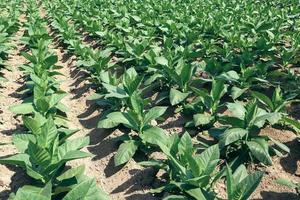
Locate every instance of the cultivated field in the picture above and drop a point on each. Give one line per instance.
(148, 100)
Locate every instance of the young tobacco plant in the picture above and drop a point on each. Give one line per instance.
(190, 175)
(43, 154)
(240, 185)
(209, 103)
(45, 150)
(137, 119)
(239, 136)
(74, 185)
(115, 92)
(278, 104)
(181, 75)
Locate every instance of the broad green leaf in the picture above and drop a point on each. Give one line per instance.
(33, 125)
(86, 190)
(73, 155)
(230, 184)
(264, 99)
(72, 145)
(162, 61)
(24, 108)
(231, 135)
(287, 183)
(218, 90)
(20, 160)
(202, 119)
(125, 152)
(176, 197)
(71, 173)
(156, 136)
(38, 155)
(250, 183)
(176, 96)
(21, 141)
(237, 109)
(295, 124)
(48, 134)
(260, 150)
(237, 92)
(209, 159)
(280, 145)
(154, 113)
(114, 119)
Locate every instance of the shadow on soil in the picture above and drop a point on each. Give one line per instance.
(17, 180)
(289, 163)
(279, 196)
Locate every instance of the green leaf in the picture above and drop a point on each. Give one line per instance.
(131, 80)
(229, 182)
(185, 146)
(42, 105)
(72, 145)
(175, 197)
(280, 145)
(48, 134)
(95, 96)
(51, 60)
(22, 109)
(162, 61)
(56, 98)
(237, 92)
(20, 160)
(21, 141)
(86, 190)
(237, 109)
(71, 173)
(186, 73)
(38, 155)
(295, 124)
(73, 155)
(260, 150)
(208, 159)
(231, 135)
(286, 182)
(176, 96)
(31, 192)
(114, 119)
(29, 57)
(125, 152)
(264, 99)
(33, 125)
(218, 90)
(156, 136)
(249, 184)
(154, 113)
(240, 173)
(202, 119)
(136, 102)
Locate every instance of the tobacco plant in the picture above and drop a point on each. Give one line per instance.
(239, 136)
(189, 174)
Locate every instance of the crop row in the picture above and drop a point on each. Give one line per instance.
(8, 26)
(46, 145)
